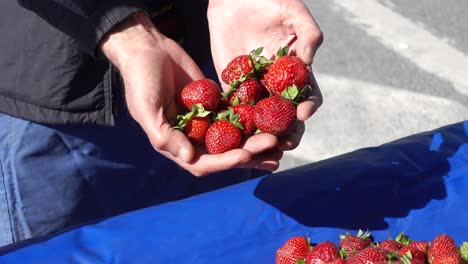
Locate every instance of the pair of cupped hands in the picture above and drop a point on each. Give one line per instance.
(154, 68)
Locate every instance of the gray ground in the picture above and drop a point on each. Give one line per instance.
(372, 93)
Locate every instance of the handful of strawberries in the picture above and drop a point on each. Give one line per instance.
(361, 249)
(262, 98)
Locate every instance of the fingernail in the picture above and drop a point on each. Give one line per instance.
(184, 154)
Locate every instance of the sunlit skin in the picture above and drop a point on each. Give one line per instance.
(154, 68)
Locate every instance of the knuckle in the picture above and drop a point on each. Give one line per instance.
(318, 37)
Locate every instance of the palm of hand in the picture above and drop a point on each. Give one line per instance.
(241, 27)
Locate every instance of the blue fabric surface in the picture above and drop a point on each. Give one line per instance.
(416, 184)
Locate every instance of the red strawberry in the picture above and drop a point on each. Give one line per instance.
(390, 245)
(205, 92)
(441, 244)
(196, 128)
(248, 92)
(284, 72)
(324, 252)
(294, 249)
(443, 247)
(194, 124)
(275, 115)
(236, 68)
(420, 245)
(413, 251)
(337, 261)
(369, 255)
(446, 258)
(407, 259)
(222, 136)
(246, 117)
(244, 65)
(354, 243)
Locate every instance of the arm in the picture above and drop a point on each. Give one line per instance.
(86, 21)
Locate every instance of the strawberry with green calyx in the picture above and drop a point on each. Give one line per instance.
(296, 95)
(244, 66)
(283, 51)
(246, 117)
(413, 252)
(286, 71)
(324, 252)
(407, 241)
(242, 116)
(238, 67)
(370, 254)
(443, 250)
(420, 245)
(222, 136)
(440, 244)
(275, 115)
(390, 245)
(394, 245)
(343, 253)
(204, 92)
(403, 239)
(293, 251)
(446, 258)
(233, 86)
(194, 124)
(355, 243)
(260, 62)
(408, 259)
(230, 116)
(248, 92)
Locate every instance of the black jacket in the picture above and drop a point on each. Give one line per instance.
(51, 70)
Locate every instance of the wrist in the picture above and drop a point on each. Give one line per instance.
(134, 34)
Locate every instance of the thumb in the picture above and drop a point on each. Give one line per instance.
(309, 38)
(165, 138)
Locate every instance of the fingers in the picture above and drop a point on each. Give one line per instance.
(310, 105)
(204, 164)
(309, 36)
(259, 151)
(259, 143)
(268, 160)
(292, 139)
(164, 138)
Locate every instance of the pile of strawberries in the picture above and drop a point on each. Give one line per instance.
(262, 99)
(361, 249)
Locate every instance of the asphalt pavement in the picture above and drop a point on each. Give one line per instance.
(387, 69)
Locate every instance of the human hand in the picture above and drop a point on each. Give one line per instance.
(153, 69)
(237, 27)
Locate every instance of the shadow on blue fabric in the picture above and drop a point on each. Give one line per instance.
(361, 189)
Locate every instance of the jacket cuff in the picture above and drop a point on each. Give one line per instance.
(105, 22)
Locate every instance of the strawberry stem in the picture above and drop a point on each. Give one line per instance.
(404, 240)
(197, 110)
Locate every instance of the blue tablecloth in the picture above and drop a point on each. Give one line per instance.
(416, 184)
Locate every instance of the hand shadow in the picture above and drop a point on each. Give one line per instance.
(360, 189)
